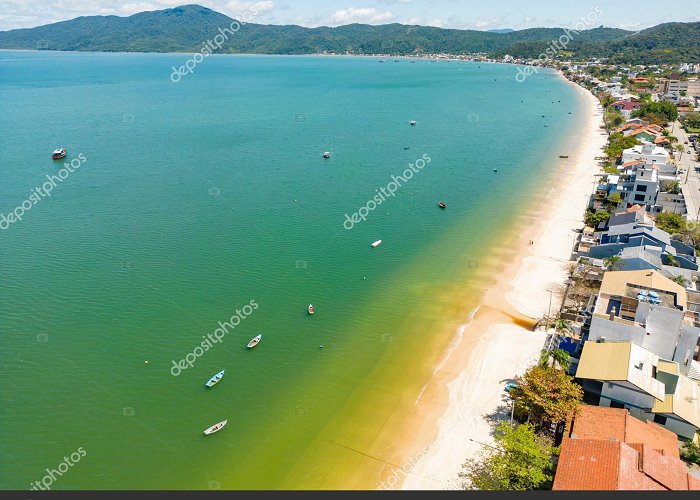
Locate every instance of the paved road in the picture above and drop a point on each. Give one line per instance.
(691, 177)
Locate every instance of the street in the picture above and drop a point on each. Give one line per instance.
(691, 178)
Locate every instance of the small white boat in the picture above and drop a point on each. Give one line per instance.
(254, 341)
(215, 379)
(59, 153)
(215, 428)
(327, 154)
(311, 310)
(377, 243)
(413, 123)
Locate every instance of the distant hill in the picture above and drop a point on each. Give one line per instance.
(501, 30)
(186, 28)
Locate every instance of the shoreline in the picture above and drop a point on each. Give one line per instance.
(452, 425)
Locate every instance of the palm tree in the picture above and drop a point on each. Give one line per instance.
(613, 263)
(555, 358)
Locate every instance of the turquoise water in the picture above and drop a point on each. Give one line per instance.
(199, 196)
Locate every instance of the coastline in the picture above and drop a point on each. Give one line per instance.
(450, 415)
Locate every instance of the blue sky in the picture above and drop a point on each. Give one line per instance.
(461, 14)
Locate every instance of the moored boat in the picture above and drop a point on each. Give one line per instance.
(441, 204)
(254, 341)
(377, 243)
(413, 123)
(59, 153)
(327, 154)
(215, 428)
(311, 309)
(215, 379)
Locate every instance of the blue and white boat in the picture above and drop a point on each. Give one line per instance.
(215, 379)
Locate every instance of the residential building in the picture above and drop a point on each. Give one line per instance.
(646, 152)
(674, 84)
(626, 107)
(693, 88)
(623, 312)
(620, 235)
(608, 449)
(625, 375)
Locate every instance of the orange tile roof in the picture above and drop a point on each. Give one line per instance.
(611, 450)
(597, 422)
(595, 464)
(632, 162)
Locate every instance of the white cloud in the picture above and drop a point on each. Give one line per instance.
(422, 21)
(364, 15)
(235, 6)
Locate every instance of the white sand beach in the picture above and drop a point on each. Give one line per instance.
(494, 348)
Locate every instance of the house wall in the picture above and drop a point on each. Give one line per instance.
(626, 393)
(680, 427)
(636, 264)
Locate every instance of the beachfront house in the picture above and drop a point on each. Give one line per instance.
(649, 309)
(625, 375)
(609, 449)
(626, 107)
(626, 231)
(647, 152)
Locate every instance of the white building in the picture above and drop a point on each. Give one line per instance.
(647, 152)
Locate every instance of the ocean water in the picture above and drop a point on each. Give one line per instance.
(193, 199)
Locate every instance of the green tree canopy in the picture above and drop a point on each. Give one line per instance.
(595, 218)
(692, 120)
(546, 396)
(520, 461)
(617, 143)
(655, 111)
(670, 222)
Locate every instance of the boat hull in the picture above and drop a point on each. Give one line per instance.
(215, 428)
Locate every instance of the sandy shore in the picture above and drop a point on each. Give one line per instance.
(492, 348)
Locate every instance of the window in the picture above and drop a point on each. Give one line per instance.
(616, 404)
(638, 197)
(642, 188)
(660, 419)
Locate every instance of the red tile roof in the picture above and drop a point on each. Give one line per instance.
(597, 422)
(611, 450)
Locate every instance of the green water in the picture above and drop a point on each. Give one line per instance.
(199, 196)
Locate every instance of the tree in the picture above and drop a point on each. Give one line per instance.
(665, 111)
(546, 396)
(692, 120)
(691, 452)
(670, 222)
(615, 199)
(674, 187)
(594, 218)
(617, 143)
(613, 263)
(681, 280)
(672, 261)
(520, 461)
(557, 358)
(606, 100)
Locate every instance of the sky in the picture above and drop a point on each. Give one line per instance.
(459, 14)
